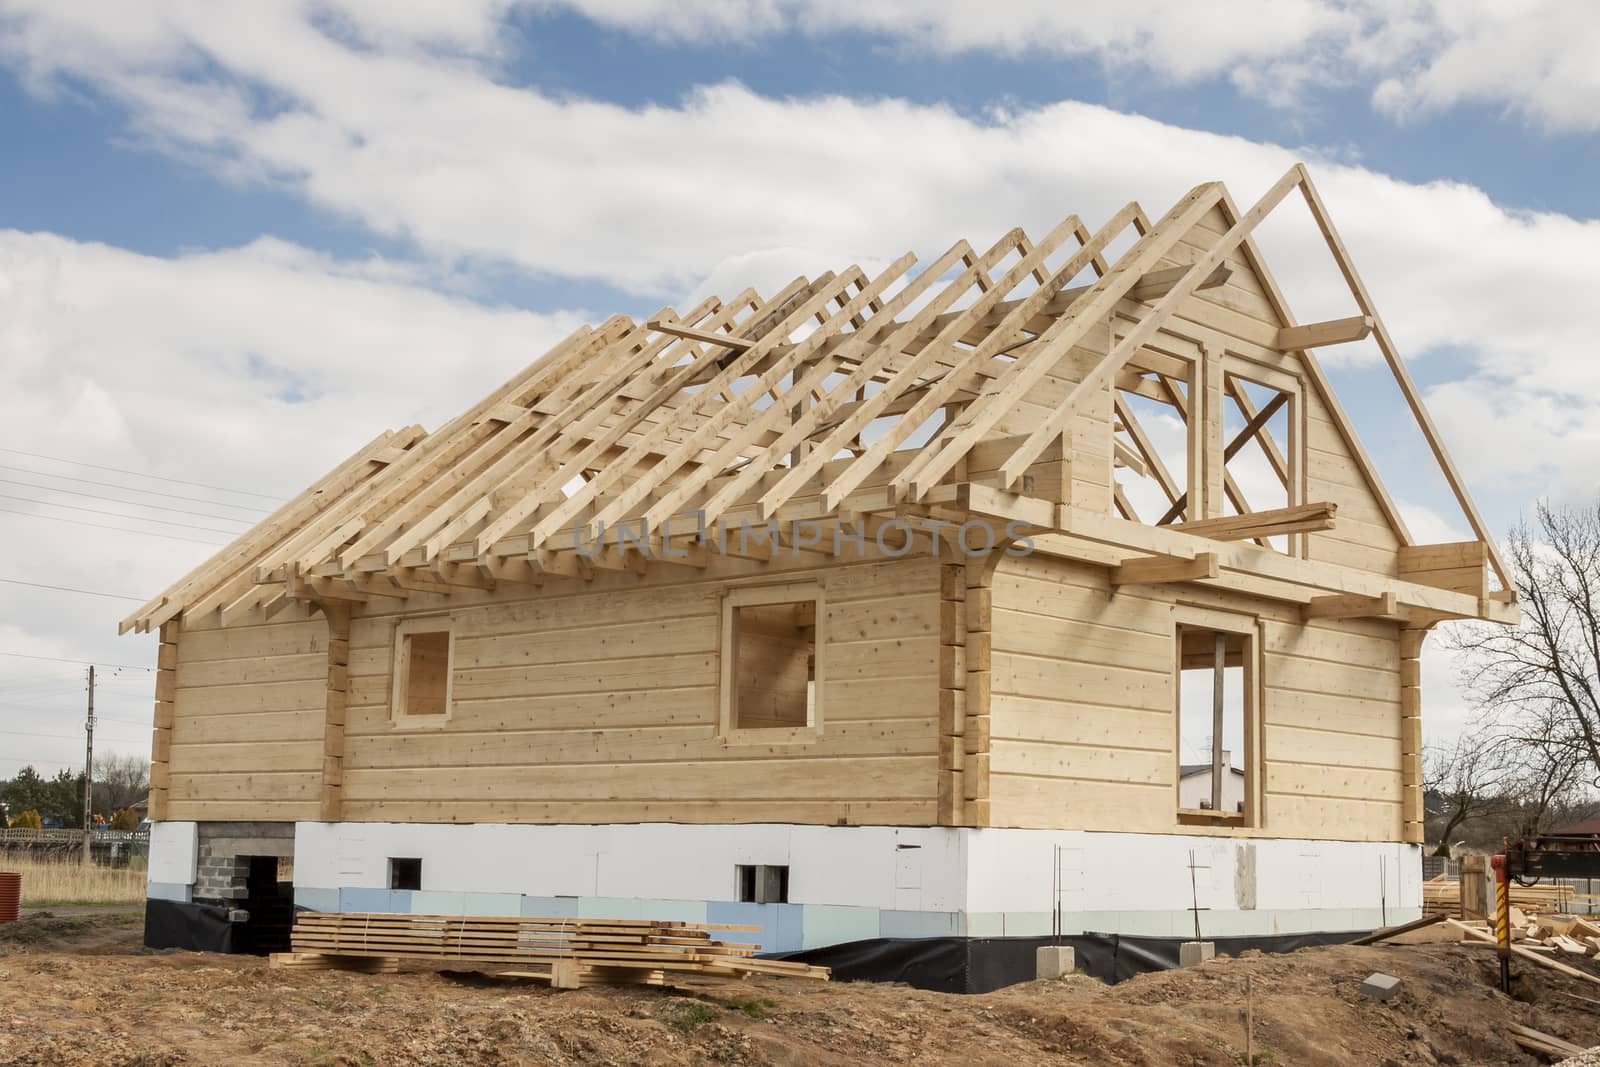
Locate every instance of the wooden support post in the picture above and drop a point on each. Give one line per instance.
(979, 578)
(953, 635)
(161, 732)
(337, 702)
(1411, 640)
(1474, 887)
(1208, 426)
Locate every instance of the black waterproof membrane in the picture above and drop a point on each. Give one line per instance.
(196, 927)
(979, 965)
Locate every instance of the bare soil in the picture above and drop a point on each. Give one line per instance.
(78, 991)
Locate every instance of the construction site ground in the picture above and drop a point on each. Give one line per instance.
(79, 989)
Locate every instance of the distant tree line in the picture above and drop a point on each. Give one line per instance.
(120, 781)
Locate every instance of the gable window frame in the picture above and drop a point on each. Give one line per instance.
(1248, 628)
(400, 678)
(1243, 369)
(727, 697)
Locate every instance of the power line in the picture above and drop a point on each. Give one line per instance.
(84, 662)
(65, 589)
(119, 529)
(30, 762)
(115, 514)
(141, 474)
(58, 737)
(130, 503)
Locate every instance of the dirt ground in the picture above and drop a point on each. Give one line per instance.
(78, 989)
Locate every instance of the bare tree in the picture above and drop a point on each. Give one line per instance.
(1544, 778)
(120, 780)
(1539, 682)
(1465, 782)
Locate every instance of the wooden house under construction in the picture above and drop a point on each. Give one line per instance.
(877, 607)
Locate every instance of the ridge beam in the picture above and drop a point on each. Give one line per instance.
(1353, 606)
(1318, 334)
(1157, 570)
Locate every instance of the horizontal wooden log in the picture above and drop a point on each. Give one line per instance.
(1151, 570)
(1317, 334)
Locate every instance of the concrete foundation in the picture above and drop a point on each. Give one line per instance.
(841, 884)
(1053, 961)
(1191, 953)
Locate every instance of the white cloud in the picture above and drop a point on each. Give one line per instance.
(1534, 59)
(256, 367)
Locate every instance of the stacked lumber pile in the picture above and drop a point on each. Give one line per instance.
(1563, 934)
(567, 953)
(1442, 896)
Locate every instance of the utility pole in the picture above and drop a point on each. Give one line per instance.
(88, 772)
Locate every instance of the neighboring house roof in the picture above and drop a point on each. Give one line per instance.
(1188, 770)
(824, 402)
(1587, 826)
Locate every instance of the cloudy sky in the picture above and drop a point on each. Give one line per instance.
(237, 239)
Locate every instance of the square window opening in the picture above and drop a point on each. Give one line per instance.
(405, 873)
(1214, 714)
(774, 665)
(762, 883)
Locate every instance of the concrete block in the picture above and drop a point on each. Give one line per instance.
(1053, 961)
(1191, 953)
(1380, 986)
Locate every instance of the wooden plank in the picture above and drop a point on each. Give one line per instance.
(1353, 606)
(1295, 519)
(1319, 334)
(1156, 569)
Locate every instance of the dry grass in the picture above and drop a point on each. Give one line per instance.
(51, 882)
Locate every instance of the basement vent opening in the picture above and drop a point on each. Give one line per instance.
(405, 873)
(762, 883)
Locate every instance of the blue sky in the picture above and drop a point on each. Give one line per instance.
(237, 240)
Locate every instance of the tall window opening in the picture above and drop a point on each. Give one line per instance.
(1216, 712)
(422, 671)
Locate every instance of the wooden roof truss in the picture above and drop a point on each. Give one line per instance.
(846, 399)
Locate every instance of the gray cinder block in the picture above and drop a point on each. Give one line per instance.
(1380, 986)
(1193, 952)
(1053, 961)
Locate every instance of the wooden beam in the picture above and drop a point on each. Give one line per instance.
(1352, 606)
(1318, 334)
(1152, 570)
(1298, 519)
(1158, 283)
(705, 337)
